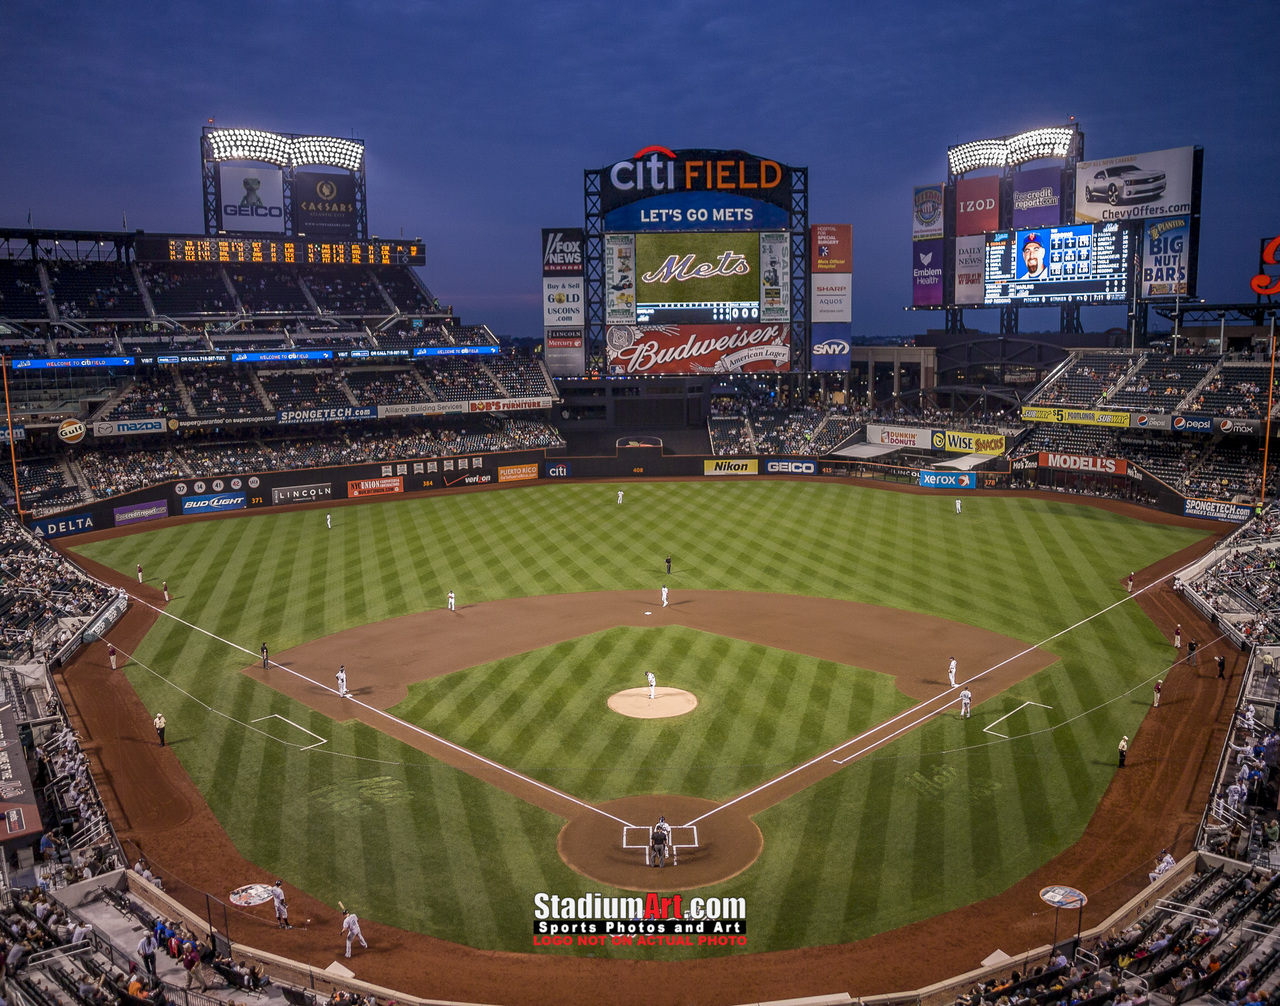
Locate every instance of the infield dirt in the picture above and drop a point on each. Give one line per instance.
(1155, 802)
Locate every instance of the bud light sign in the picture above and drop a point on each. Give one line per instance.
(213, 503)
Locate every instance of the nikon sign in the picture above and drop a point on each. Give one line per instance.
(730, 466)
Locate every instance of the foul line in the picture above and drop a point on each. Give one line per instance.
(298, 726)
(394, 719)
(987, 729)
(917, 708)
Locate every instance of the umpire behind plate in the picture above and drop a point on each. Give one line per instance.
(659, 840)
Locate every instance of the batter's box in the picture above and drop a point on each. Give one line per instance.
(683, 836)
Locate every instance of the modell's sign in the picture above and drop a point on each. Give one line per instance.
(1083, 463)
(698, 349)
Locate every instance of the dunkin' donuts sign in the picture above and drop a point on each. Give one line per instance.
(698, 349)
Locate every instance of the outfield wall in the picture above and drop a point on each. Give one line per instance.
(385, 480)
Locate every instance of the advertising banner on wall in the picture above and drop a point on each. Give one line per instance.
(977, 205)
(926, 212)
(213, 503)
(1037, 198)
(128, 427)
(902, 436)
(963, 442)
(517, 473)
(56, 527)
(1155, 184)
(831, 248)
(250, 198)
(971, 258)
(324, 205)
(657, 172)
(376, 487)
(1083, 463)
(620, 279)
(926, 273)
(1237, 513)
(136, 513)
(564, 351)
(948, 480)
(731, 466)
(563, 302)
(698, 349)
(1150, 421)
(832, 297)
(1166, 258)
(830, 347)
(562, 251)
(775, 276)
(1083, 417)
(326, 414)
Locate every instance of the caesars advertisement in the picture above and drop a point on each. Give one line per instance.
(250, 199)
(698, 349)
(563, 296)
(324, 205)
(1155, 184)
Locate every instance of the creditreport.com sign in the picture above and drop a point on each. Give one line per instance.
(649, 920)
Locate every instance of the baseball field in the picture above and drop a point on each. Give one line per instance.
(804, 615)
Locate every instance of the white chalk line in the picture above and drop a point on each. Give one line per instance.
(987, 729)
(383, 713)
(297, 726)
(921, 706)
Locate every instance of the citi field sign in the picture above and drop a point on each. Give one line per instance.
(695, 189)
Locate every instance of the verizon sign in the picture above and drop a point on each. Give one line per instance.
(1083, 463)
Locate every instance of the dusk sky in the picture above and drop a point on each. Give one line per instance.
(480, 117)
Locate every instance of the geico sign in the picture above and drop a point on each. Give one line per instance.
(261, 212)
(791, 467)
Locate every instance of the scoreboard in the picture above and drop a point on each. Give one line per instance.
(284, 250)
(1070, 264)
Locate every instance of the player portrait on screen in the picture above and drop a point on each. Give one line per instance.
(1032, 257)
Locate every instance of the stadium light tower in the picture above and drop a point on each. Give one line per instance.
(288, 152)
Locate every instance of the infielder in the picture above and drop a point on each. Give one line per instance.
(342, 681)
(966, 699)
(951, 672)
(1159, 685)
(328, 522)
(111, 654)
(619, 500)
(653, 682)
(282, 907)
(164, 585)
(1129, 585)
(264, 656)
(351, 926)
(664, 595)
(451, 607)
(957, 506)
(139, 572)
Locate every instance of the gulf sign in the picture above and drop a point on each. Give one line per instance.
(657, 170)
(1084, 463)
(960, 442)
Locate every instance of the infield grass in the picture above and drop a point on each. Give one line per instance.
(943, 816)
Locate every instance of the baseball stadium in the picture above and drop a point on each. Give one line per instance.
(693, 653)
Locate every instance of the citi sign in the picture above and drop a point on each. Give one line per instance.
(558, 471)
(659, 169)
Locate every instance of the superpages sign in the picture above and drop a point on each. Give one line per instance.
(657, 170)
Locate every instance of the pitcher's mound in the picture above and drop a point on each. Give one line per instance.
(665, 702)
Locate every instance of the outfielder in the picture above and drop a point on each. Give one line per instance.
(451, 600)
(282, 907)
(966, 699)
(957, 506)
(653, 682)
(328, 522)
(619, 500)
(951, 672)
(351, 926)
(664, 595)
(342, 681)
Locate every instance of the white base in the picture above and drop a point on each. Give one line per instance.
(341, 970)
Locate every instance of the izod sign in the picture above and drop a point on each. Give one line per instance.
(977, 205)
(1083, 463)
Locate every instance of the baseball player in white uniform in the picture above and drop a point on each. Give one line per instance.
(328, 522)
(951, 672)
(619, 500)
(351, 927)
(966, 698)
(451, 599)
(342, 681)
(957, 506)
(664, 595)
(282, 907)
(653, 682)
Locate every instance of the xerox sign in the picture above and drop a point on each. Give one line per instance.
(213, 503)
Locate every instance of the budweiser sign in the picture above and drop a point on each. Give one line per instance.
(1081, 463)
(698, 349)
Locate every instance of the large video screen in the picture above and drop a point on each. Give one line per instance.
(1080, 264)
(706, 278)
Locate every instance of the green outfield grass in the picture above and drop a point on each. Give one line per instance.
(943, 816)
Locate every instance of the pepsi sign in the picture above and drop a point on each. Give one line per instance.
(1192, 424)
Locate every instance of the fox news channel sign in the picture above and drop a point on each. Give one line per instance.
(250, 199)
(1135, 187)
(563, 289)
(659, 189)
